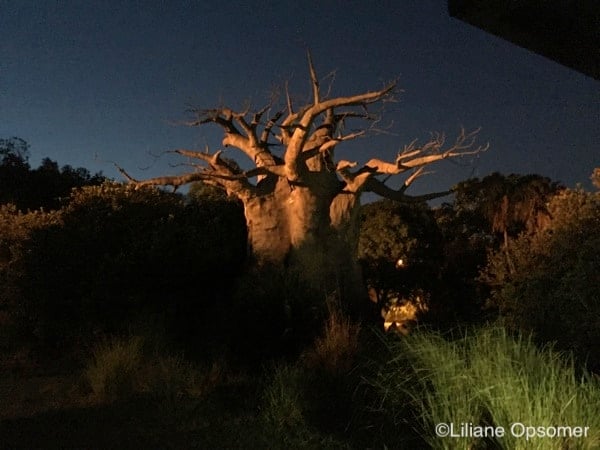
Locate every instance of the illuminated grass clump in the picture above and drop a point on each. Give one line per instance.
(484, 380)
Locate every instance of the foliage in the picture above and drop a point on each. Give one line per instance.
(14, 150)
(548, 283)
(484, 214)
(44, 187)
(115, 252)
(392, 231)
(484, 378)
(271, 313)
(16, 231)
(504, 203)
(286, 410)
(200, 191)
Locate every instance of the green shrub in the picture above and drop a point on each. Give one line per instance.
(548, 283)
(16, 234)
(391, 231)
(112, 253)
(486, 378)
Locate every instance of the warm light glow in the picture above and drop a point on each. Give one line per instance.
(400, 263)
(401, 314)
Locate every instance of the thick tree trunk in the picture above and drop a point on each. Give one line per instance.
(314, 235)
(269, 239)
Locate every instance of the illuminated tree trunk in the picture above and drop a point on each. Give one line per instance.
(300, 230)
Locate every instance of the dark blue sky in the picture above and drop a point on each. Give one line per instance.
(110, 78)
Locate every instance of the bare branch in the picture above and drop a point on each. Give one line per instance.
(431, 152)
(377, 187)
(125, 174)
(298, 138)
(314, 80)
(222, 117)
(264, 137)
(329, 144)
(331, 77)
(278, 170)
(343, 165)
(288, 100)
(289, 124)
(247, 142)
(177, 180)
(416, 174)
(215, 161)
(258, 115)
(249, 131)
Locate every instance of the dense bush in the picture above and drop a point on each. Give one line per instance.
(441, 250)
(400, 251)
(391, 231)
(46, 186)
(548, 283)
(483, 215)
(114, 255)
(16, 231)
(271, 313)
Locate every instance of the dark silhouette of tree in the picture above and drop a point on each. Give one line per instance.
(399, 247)
(551, 285)
(506, 204)
(43, 187)
(484, 216)
(14, 169)
(509, 205)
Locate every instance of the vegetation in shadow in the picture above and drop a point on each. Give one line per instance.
(131, 317)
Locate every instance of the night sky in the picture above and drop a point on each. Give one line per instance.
(86, 83)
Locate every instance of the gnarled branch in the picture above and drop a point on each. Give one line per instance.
(312, 131)
(295, 145)
(431, 152)
(379, 188)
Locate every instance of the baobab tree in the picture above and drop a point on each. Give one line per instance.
(300, 202)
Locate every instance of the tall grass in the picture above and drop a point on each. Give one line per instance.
(113, 371)
(487, 378)
(283, 397)
(124, 367)
(335, 349)
(284, 411)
